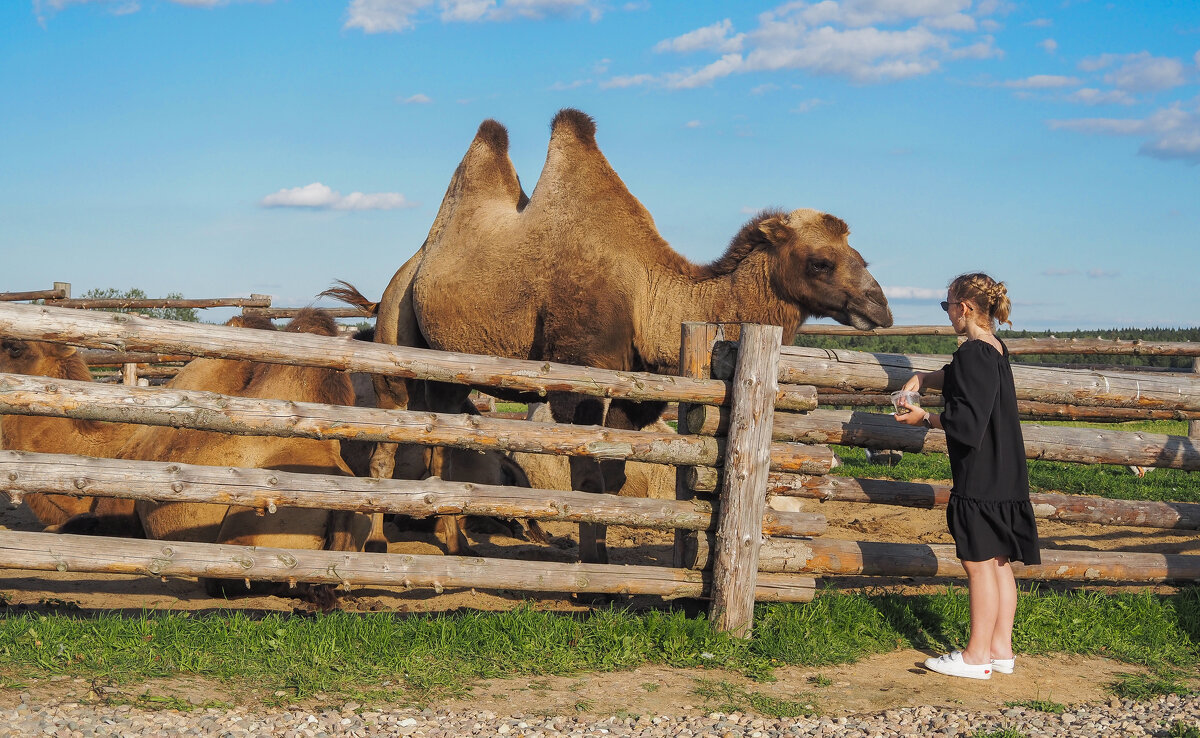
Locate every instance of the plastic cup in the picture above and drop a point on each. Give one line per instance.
(910, 398)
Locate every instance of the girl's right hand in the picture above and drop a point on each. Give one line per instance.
(914, 383)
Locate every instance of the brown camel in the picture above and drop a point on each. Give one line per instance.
(598, 285)
(288, 527)
(60, 435)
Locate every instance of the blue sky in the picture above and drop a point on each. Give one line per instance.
(222, 148)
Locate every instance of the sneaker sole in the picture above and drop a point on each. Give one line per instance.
(931, 667)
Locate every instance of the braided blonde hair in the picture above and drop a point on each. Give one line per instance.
(989, 295)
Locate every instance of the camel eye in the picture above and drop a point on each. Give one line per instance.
(820, 266)
(12, 348)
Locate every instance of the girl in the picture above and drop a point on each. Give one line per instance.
(989, 513)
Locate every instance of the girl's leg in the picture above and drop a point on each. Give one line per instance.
(1006, 610)
(985, 600)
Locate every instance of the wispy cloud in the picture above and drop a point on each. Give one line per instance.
(1094, 273)
(866, 41)
(1049, 45)
(810, 104)
(394, 16)
(1040, 23)
(692, 124)
(317, 196)
(1092, 96)
(1140, 72)
(42, 9)
(914, 293)
(1060, 272)
(1041, 82)
(418, 99)
(1171, 133)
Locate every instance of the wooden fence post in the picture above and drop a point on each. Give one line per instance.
(64, 289)
(695, 360)
(129, 374)
(744, 487)
(1194, 425)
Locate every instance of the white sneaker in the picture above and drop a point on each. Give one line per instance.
(1003, 666)
(952, 664)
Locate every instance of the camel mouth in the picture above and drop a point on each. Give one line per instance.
(876, 315)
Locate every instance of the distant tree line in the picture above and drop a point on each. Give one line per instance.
(111, 293)
(947, 345)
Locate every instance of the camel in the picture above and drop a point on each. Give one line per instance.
(300, 528)
(60, 435)
(598, 285)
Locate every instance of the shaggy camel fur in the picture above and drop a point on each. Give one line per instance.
(599, 286)
(60, 435)
(288, 527)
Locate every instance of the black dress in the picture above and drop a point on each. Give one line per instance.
(989, 513)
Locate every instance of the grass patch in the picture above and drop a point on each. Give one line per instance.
(1056, 708)
(1001, 733)
(517, 407)
(1147, 686)
(724, 696)
(820, 680)
(428, 657)
(1181, 729)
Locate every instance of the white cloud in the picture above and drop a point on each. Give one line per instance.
(866, 41)
(1041, 82)
(418, 99)
(764, 88)
(1140, 72)
(632, 80)
(1049, 45)
(1196, 58)
(317, 196)
(1040, 23)
(914, 293)
(1091, 96)
(709, 38)
(692, 124)
(559, 86)
(812, 103)
(44, 8)
(393, 16)
(1171, 133)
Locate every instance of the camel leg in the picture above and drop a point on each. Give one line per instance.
(447, 398)
(383, 464)
(586, 474)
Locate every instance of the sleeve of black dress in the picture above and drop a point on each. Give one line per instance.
(968, 409)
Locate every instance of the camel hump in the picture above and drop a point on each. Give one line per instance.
(493, 133)
(310, 320)
(576, 123)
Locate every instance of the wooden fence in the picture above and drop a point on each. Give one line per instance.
(749, 426)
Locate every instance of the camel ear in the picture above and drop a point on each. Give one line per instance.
(775, 230)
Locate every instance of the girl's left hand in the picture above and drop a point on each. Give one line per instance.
(912, 415)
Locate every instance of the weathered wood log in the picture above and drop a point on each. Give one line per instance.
(695, 361)
(1028, 409)
(855, 371)
(116, 358)
(1048, 506)
(129, 332)
(88, 303)
(1047, 442)
(266, 490)
(1100, 347)
(53, 294)
(831, 557)
(100, 555)
(821, 329)
(743, 492)
(1194, 424)
(1123, 368)
(291, 312)
(24, 395)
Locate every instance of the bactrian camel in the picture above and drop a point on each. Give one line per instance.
(578, 273)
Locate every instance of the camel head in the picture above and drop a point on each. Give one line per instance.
(815, 268)
(35, 358)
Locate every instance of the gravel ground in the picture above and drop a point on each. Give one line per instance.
(1115, 718)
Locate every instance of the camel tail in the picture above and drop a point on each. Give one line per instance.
(350, 295)
(577, 123)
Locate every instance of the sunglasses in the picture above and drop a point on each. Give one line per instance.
(946, 305)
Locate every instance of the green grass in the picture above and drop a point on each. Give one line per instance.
(1180, 729)
(427, 657)
(1147, 686)
(1001, 733)
(511, 407)
(724, 696)
(1103, 480)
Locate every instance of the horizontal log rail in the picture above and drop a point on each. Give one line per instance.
(25, 395)
(1045, 442)
(1046, 505)
(291, 312)
(96, 303)
(101, 555)
(1027, 409)
(267, 490)
(53, 294)
(832, 557)
(94, 357)
(1100, 347)
(856, 371)
(128, 332)
(822, 329)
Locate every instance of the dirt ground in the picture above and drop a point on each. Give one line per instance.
(877, 683)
